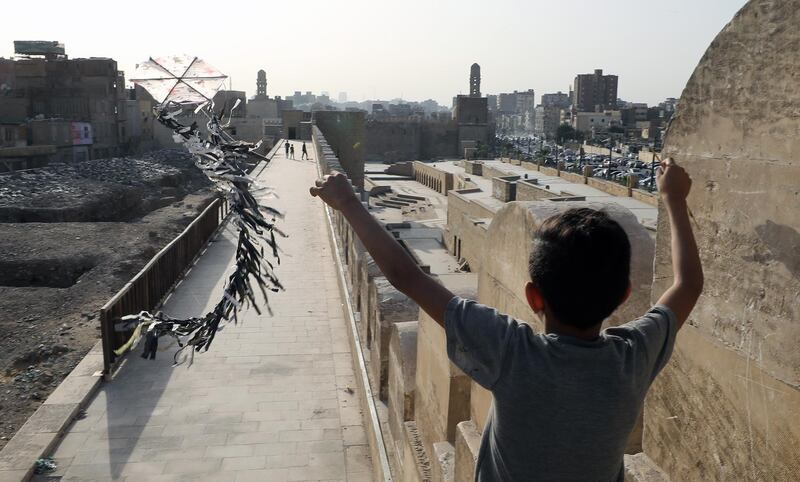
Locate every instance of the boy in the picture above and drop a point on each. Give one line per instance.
(564, 401)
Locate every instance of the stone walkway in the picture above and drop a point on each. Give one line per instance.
(272, 400)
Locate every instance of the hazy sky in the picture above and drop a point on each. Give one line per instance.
(379, 49)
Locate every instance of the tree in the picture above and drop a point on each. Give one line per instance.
(543, 152)
(566, 132)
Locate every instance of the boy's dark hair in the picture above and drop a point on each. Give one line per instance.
(581, 265)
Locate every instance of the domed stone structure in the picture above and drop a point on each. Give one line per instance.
(728, 405)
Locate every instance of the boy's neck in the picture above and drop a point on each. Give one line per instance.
(557, 328)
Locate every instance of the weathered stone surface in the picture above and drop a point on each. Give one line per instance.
(480, 401)
(501, 283)
(468, 442)
(444, 455)
(402, 372)
(639, 468)
(726, 406)
(442, 398)
(416, 466)
(369, 271)
(50, 418)
(390, 306)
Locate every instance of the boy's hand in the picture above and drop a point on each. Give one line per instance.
(335, 190)
(672, 180)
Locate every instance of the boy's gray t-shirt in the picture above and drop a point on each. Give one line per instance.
(563, 407)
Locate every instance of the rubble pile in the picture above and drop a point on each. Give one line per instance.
(98, 190)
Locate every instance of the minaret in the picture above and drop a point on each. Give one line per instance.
(261, 84)
(475, 81)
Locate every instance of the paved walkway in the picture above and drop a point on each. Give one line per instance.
(272, 400)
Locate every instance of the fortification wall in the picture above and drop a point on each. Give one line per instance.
(392, 141)
(344, 131)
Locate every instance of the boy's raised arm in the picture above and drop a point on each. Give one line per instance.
(395, 263)
(674, 185)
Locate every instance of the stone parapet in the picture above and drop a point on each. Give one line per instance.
(388, 306)
(468, 443)
(402, 373)
(505, 188)
(443, 390)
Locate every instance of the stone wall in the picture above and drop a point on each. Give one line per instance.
(505, 188)
(467, 222)
(727, 405)
(436, 179)
(392, 141)
(491, 171)
(474, 168)
(610, 187)
(344, 131)
(530, 191)
(406, 140)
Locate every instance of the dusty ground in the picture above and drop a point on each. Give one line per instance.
(54, 277)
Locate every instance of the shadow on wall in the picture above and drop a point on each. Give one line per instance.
(782, 244)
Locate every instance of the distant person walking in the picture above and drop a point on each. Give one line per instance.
(291, 152)
(286, 146)
(305, 152)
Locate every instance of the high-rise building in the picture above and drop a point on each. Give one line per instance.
(526, 102)
(492, 101)
(507, 103)
(261, 84)
(558, 99)
(475, 81)
(546, 121)
(595, 92)
(342, 97)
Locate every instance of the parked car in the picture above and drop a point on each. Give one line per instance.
(648, 182)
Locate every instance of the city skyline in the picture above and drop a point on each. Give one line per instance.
(349, 46)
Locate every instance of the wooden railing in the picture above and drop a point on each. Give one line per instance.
(146, 290)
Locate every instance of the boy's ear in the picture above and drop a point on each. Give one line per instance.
(534, 297)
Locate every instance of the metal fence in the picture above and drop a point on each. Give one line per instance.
(146, 290)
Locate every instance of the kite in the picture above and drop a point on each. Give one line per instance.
(178, 83)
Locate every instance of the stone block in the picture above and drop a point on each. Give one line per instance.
(402, 372)
(473, 167)
(639, 468)
(443, 462)
(390, 306)
(480, 401)
(369, 271)
(354, 268)
(505, 188)
(468, 443)
(442, 398)
(416, 466)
